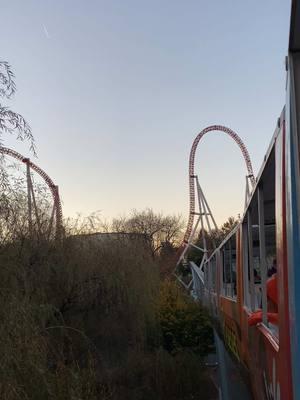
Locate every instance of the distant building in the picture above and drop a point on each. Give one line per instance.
(122, 237)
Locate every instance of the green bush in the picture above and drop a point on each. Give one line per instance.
(184, 323)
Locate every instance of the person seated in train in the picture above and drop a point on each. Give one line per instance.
(272, 296)
(272, 293)
(257, 278)
(273, 269)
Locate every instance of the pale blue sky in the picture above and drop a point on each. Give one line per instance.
(116, 91)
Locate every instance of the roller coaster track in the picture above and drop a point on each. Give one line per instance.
(245, 154)
(57, 209)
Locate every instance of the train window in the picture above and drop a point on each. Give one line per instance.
(253, 270)
(246, 264)
(229, 267)
(259, 244)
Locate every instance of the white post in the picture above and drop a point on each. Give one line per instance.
(247, 192)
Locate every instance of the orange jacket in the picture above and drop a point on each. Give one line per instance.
(256, 317)
(272, 293)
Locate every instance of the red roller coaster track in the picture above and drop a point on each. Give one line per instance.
(246, 156)
(53, 188)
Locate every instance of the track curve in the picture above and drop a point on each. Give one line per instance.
(53, 188)
(200, 135)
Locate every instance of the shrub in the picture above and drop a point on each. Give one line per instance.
(86, 318)
(184, 323)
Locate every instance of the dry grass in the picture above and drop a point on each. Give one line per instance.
(70, 311)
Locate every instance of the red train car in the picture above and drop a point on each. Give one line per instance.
(251, 282)
(236, 277)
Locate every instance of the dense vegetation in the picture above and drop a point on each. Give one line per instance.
(89, 318)
(92, 316)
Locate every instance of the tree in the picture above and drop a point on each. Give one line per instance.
(10, 121)
(184, 324)
(213, 239)
(228, 226)
(161, 232)
(13, 199)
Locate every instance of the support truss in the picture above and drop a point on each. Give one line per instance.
(205, 221)
(204, 224)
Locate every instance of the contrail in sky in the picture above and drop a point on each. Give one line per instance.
(46, 32)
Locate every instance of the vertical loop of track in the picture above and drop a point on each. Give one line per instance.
(245, 154)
